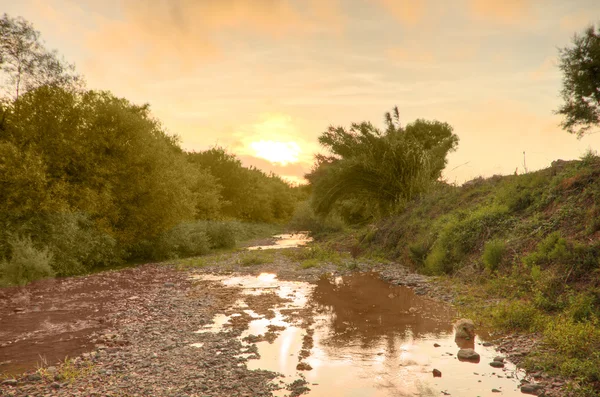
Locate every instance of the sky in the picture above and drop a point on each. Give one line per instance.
(264, 78)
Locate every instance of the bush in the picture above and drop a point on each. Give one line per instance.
(221, 234)
(184, 240)
(27, 263)
(515, 316)
(459, 234)
(493, 252)
(304, 219)
(75, 242)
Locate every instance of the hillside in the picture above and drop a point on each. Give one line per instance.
(522, 251)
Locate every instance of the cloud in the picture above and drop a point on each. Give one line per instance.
(181, 35)
(410, 54)
(547, 70)
(577, 21)
(501, 11)
(408, 12)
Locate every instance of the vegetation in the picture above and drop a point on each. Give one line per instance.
(369, 172)
(528, 242)
(580, 65)
(89, 180)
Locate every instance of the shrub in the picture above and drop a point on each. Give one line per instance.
(27, 263)
(515, 316)
(304, 219)
(185, 239)
(253, 258)
(459, 234)
(221, 234)
(493, 252)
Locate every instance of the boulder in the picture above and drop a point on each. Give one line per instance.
(437, 373)
(531, 388)
(465, 329)
(468, 355)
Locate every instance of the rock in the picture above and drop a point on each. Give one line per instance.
(34, 377)
(531, 388)
(468, 355)
(51, 370)
(55, 385)
(303, 366)
(464, 328)
(496, 391)
(497, 364)
(487, 344)
(436, 345)
(169, 285)
(19, 309)
(499, 359)
(10, 382)
(437, 373)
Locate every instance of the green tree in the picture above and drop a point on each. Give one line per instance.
(580, 64)
(368, 172)
(26, 63)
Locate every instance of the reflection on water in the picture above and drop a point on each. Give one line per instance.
(291, 240)
(370, 338)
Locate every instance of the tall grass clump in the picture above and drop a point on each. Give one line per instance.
(27, 263)
(493, 253)
(460, 234)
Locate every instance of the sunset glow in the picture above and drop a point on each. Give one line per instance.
(277, 152)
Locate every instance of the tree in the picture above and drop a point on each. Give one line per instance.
(26, 63)
(368, 172)
(580, 65)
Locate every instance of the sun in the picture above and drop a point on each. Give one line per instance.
(276, 152)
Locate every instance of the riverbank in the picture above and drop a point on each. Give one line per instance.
(134, 331)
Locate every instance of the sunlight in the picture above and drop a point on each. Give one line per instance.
(276, 152)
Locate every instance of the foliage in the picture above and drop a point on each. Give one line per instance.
(493, 253)
(26, 63)
(304, 219)
(247, 193)
(97, 181)
(376, 171)
(27, 263)
(459, 234)
(515, 316)
(580, 64)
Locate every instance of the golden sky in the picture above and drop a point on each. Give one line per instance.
(265, 78)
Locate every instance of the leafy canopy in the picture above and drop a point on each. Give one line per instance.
(580, 64)
(378, 170)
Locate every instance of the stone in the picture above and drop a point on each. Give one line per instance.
(169, 284)
(34, 377)
(487, 344)
(496, 391)
(55, 385)
(464, 328)
(436, 345)
(497, 364)
(531, 388)
(437, 373)
(468, 355)
(303, 366)
(10, 382)
(499, 359)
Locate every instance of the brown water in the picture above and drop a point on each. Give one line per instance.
(369, 338)
(291, 240)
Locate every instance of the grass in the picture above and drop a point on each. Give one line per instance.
(524, 254)
(253, 258)
(67, 371)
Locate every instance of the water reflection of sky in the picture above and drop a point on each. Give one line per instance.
(371, 339)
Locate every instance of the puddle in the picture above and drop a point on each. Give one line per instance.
(365, 337)
(291, 240)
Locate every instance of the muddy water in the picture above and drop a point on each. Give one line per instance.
(280, 241)
(364, 337)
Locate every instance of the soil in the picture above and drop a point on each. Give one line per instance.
(132, 332)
